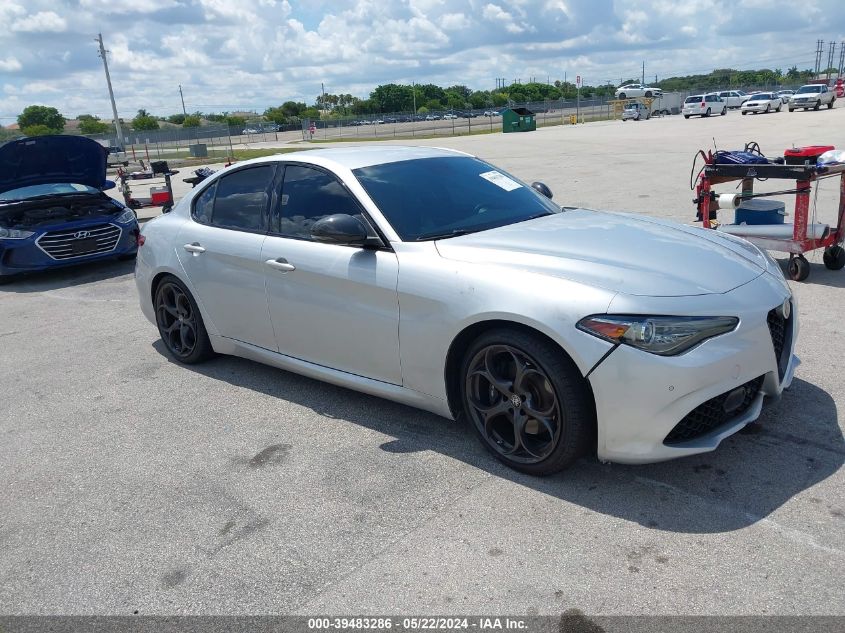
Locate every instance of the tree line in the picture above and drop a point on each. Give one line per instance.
(37, 120)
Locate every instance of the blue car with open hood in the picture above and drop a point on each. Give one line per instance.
(53, 211)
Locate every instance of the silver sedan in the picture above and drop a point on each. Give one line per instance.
(432, 278)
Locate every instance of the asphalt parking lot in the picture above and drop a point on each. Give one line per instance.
(130, 484)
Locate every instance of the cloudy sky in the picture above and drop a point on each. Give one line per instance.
(249, 54)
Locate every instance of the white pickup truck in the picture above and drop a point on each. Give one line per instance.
(812, 96)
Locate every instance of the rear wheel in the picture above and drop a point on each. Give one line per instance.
(621, 95)
(526, 401)
(834, 257)
(180, 323)
(648, 94)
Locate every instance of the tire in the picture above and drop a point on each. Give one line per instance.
(798, 268)
(830, 105)
(175, 308)
(502, 372)
(778, 109)
(792, 109)
(806, 109)
(707, 113)
(834, 257)
(686, 116)
(648, 95)
(744, 112)
(767, 108)
(621, 95)
(724, 111)
(818, 105)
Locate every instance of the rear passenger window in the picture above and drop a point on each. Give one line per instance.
(241, 198)
(204, 203)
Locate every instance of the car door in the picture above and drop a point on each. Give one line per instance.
(220, 252)
(330, 304)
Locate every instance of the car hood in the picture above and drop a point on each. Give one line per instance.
(619, 252)
(52, 159)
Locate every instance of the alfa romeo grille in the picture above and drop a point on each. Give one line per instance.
(80, 242)
(712, 414)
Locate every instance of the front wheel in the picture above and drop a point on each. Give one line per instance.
(621, 95)
(180, 323)
(792, 109)
(834, 257)
(818, 105)
(707, 113)
(830, 105)
(648, 95)
(724, 111)
(686, 116)
(526, 401)
(798, 268)
(779, 108)
(767, 108)
(744, 112)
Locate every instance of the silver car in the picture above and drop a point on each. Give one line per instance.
(430, 277)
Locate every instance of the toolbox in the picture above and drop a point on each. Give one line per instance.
(807, 155)
(159, 196)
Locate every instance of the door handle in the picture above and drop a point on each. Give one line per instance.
(194, 247)
(280, 263)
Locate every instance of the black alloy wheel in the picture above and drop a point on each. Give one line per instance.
(179, 323)
(527, 403)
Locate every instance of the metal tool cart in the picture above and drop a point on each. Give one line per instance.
(161, 196)
(762, 226)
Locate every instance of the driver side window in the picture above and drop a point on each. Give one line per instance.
(309, 194)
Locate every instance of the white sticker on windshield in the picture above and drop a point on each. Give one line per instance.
(500, 180)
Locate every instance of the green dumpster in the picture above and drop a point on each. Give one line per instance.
(518, 120)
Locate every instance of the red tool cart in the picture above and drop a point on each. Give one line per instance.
(159, 196)
(805, 233)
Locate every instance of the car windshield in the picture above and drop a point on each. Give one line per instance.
(694, 99)
(806, 89)
(763, 96)
(432, 198)
(51, 189)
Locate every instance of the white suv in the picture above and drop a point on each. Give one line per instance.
(812, 96)
(704, 105)
(629, 91)
(734, 98)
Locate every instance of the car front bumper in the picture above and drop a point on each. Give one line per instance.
(25, 255)
(642, 398)
(757, 107)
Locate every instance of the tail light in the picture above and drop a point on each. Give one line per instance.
(703, 104)
(139, 239)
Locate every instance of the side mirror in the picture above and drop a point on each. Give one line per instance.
(339, 228)
(542, 188)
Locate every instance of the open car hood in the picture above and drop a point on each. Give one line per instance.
(52, 159)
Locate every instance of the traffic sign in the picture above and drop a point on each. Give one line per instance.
(578, 81)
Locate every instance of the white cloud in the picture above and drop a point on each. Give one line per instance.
(41, 22)
(10, 65)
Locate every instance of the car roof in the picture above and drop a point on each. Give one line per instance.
(354, 157)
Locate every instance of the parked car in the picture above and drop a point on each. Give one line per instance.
(637, 90)
(812, 96)
(785, 95)
(733, 98)
(703, 105)
(450, 115)
(635, 112)
(491, 113)
(53, 211)
(272, 127)
(762, 102)
(432, 117)
(252, 130)
(383, 269)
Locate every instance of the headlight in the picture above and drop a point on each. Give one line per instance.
(14, 234)
(663, 335)
(127, 216)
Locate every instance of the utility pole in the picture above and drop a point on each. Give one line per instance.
(643, 81)
(181, 96)
(819, 48)
(830, 54)
(414, 87)
(841, 58)
(117, 127)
